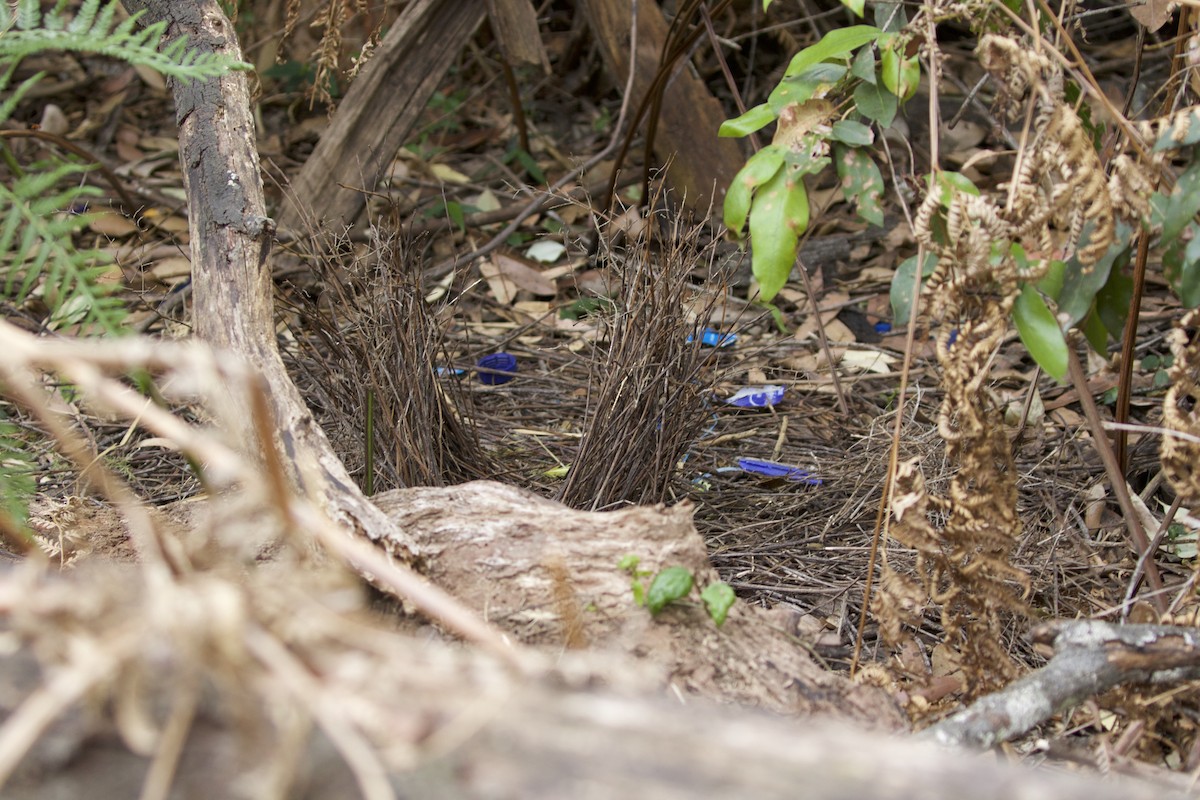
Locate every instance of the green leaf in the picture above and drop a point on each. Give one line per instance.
(889, 16)
(718, 599)
(902, 286)
(900, 75)
(863, 66)
(1051, 283)
(1040, 332)
(778, 217)
(835, 44)
(857, 6)
(814, 81)
(876, 103)
(756, 118)
(950, 182)
(454, 212)
(862, 182)
(1176, 210)
(669, 585)
(855, 134)
(760, 168)
(629, 563)
(1095, 332)
(1113, 302)
(1081, 283)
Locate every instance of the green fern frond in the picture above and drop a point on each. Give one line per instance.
(92, 30)
(36, 232)
(16, 476)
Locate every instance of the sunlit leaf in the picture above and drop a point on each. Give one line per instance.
(760, 168)
(778, 217)
(1040, 332)
(839, 43)
(673, 583)
(900, 75)
(755, 119)
(718, 598)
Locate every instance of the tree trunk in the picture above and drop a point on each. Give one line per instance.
(230, 240)
(378, 112)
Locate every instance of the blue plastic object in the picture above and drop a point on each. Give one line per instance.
(883, 327)
(773, 469)
(756, 396)
(712, 338)
(497, 368)
(450, 372)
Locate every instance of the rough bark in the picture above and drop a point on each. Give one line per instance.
(699, 165)
(379, 111)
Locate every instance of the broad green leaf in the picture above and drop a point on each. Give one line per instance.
(669, 585)
(1177, 209)
(857, 6)
(890, 16)
(1081, 283)
(778, 217)
(835, 44)
(1040, 332)
(1113, 302)
(876, 103)
(718, 599)
(863, 66)
(760, 168)
(1094, 331)
(1051, 283)
(950, 182)
(814, 81)
(862, 183)
(855, 134)
(1181, 263)
(902, 286)
(755, 119)
(900, 75)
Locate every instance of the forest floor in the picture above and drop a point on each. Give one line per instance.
(803, 544)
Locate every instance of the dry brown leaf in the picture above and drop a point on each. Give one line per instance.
(110, 223)
(1153, 13)
(503, 288)
(524, 276)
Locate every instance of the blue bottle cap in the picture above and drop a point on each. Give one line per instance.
(496, 368)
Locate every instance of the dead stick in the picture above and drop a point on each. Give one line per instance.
(1141, 544)
(1090, 658)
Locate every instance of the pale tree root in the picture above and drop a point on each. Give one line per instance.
(1090, 658)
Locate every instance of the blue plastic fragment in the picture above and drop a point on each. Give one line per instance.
(712, 338)
(756, 396)
(883, 326)
(773, 469)
(953, 338)
(497, 368)
(452, 372)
